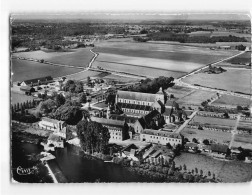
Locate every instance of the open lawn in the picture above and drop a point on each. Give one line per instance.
(217, 136)
(19, 98)
(231, 101)
(143, 71)
(196, 97)
(213, 121)
(236, 80)
(119, 78)
(24, 70)
(78, 57)
(242, 140)
(179, 91)
(178, 53)
(227, 171)
(83, 75)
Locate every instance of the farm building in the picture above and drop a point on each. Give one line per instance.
(27, 90)
(37, 81)
(219, 149)
(130, 152)
(160, 137)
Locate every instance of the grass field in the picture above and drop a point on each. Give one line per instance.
(213, 121)
(217, 136)
(218, 33)
(227, 171)
(83, 75)
(179, 91)
(120, 78)
(196, 97)
(243, 140)
(79, 57)
(244, 58)
(24, 70)
(231, 101)
(237, 80)
(19, 98)
(144, 71)
(163, 51)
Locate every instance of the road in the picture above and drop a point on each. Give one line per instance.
(186, 122)
(234, 131)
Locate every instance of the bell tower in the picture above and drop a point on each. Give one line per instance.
(160, 95)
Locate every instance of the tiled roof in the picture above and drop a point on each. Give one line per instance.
(41, 79)
(128, 119)
(171, 103)
(219, 148)
(167, 112)
(134, 106)
(130, 95)
(191, 144)
(162, 133)
(109, 122)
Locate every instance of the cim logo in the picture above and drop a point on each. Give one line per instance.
(26, 171)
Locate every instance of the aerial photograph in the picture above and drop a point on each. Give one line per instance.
(109, 97)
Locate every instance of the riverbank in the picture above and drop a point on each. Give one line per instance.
(55, 171)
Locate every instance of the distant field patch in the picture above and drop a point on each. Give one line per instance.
(139, 70)
(236, 80)
(196, 97)
(244, 141)
(83, 75)
(232, 101)
(24, 70)
(244, 58)
(227, 171)
(78, 57)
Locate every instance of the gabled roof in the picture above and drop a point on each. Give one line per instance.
(148, 97)
(156, 154)
(191, 144)
(130, 147)
(134, 106)
(171, 103)
(109, 122)
(219, 148)
(36, 80)
(128, 119)
(168, 111)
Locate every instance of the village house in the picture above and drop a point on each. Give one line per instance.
(58, 127)
(130, 152)
(37, 81)
(118, 130)
(191, 146)
(219, 150)
(161, 137)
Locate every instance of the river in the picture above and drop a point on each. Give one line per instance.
(75, 168)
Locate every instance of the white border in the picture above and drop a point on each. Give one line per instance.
(24, 6)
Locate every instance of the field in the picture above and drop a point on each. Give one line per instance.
(236, 80)
(244, 58)
(231, 101)
(227, 171)
(204, 45)
(143, 71)
(218, 33)
(196, 97)
(213, 121)
(121, 79)
(24, 70)
(83, 75)
(179, 91)
(19, 98)
(78, 57)
(244, 141)
(217, 136)
(154, 59)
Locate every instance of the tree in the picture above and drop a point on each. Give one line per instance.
(195, 140)
(184, 167)
(59, 99)
(83, 98)
(71, 114)
(209, 174)
(196, 170)
(201, 172)
(168, 145)
(93, 136)
(47, 106)
(206, 142)
(225, 115)
(78, 87)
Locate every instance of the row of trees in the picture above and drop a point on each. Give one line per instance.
(185, 38)
(153, 86)
(73, 86)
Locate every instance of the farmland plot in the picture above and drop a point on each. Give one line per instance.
(236, 80)
(231, 101)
